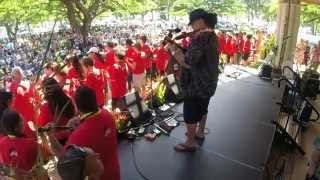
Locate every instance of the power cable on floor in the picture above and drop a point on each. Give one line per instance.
(136, 164)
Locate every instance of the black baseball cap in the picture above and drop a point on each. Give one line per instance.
(197, 14)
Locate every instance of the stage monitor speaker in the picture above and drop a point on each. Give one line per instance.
(265, 71)
(174, 92)
(137, 108)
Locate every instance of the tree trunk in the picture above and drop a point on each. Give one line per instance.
(85, 29)
(9, 31)
(80, 19)
(12, 31)
(15, 32)
(313, 28)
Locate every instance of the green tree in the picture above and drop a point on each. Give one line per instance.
(255, 8)
(183, 7)
(134, 7)
(225, 7)
(310, 15)
(81, 13)
(270, 11)
(15, 12)
(221, 7)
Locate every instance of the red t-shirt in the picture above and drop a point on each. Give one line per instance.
(73, 74)
(145, 54)
(239, 44)
(97, 62)
(230, 47)
(99, 134)
(110, 55)
(131, 54)
(118, 78)
(136, 58)
(75, 81)
(162, 58)
(96, 83)
(247, 46)
(22, 103)
(46, 117)
(222, 44)
(20, 153)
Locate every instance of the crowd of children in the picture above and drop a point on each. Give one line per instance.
(110, 72)
(240, 48)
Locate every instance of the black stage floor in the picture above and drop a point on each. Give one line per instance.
(236, 148)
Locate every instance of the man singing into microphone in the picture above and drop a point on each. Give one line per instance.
(199, 79)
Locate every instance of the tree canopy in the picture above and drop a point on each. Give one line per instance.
(81, 13)
(15, 12)
(310, 15)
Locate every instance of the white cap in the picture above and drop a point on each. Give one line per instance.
(93, 50)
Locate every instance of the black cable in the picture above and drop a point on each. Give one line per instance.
(135, 163)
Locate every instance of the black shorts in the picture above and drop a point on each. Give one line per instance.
(246, 56)
(194, 109)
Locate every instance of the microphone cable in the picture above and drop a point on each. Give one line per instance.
(136, 164)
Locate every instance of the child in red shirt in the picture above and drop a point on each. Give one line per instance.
(98, 60)
(247, 49)
(94, 80)
(239, 47)
(75, 73)
(221, 43)
(230, 48)
(146, 54)
(109, 59)
(16, 150)
(118, 77)
(22, 92)
(161, 58)
(137, 64)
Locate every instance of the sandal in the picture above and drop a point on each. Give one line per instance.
(185, 148)
(197, 137)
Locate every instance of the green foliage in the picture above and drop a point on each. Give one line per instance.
(183, 7)
(225, 7)
(159, 97)
(221, 7)
(310, 15)
(269, 45)
(255, 8)
(133, 7)
(15, 12)
(270, 10)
